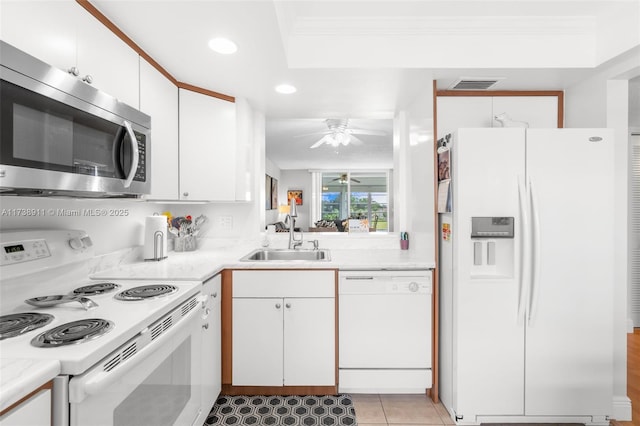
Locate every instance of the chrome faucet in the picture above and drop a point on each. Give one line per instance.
(291, 217)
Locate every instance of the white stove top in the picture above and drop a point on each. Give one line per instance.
(129, 318)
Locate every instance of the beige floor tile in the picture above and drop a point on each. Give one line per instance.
(410, 409)
(444, 414)
(368, 409)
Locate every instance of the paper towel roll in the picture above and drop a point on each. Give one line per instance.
(155, 238)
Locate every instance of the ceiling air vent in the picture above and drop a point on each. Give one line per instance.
(472, 83)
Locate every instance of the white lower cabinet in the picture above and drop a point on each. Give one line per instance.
(36, 411)
(211, 343)
(284, 328)
(258, 348)
(309, 342)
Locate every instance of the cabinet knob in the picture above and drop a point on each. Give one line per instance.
(87, 79)
(288, 305)
(278, 306)
(74, 71)
(185, 194)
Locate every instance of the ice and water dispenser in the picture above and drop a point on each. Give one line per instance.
(493, 247)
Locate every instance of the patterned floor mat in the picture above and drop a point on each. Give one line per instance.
(330, 410)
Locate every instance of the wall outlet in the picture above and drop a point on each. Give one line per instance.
(225, 222)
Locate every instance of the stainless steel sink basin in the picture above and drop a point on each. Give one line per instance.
(286, 255)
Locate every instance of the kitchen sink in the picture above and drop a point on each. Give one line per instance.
(284, 255)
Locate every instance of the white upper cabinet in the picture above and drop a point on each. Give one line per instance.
(455, 112)
(45, 30)
(114, 67)
(159, 99)
(64, 35)
(208, 148)
(539, 111)
(469, 111)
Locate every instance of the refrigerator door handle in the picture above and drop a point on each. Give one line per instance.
(535, 246)
(525, 256)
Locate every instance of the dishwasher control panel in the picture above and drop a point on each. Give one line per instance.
(385, 282)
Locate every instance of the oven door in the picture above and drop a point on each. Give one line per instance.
(160, 385)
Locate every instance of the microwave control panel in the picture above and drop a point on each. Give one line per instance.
(141, 171)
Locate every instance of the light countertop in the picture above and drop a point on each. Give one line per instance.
(20, 377)
(202, 264)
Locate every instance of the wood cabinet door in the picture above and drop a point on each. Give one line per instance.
(257, 342)
(309, 341)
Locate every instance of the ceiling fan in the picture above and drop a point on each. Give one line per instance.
(339, 133)
(343, 179)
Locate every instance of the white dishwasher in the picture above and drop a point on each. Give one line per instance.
(385, 331)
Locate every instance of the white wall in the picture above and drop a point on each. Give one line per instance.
(270, 216)
(119, 225)
(297, 179)
(602, 101)
(413, 170)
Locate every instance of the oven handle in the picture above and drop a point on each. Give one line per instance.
(96, 381)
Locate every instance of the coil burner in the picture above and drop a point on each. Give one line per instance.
(73, 333)
(97, 288)
(18, 324)
(146, 292)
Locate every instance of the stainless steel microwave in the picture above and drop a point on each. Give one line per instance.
(59, 135)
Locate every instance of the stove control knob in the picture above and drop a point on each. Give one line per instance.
(76, 243)
(413, 287)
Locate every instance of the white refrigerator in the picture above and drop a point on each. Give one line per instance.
(526, 276)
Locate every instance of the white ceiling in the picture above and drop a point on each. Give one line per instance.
(364, 59)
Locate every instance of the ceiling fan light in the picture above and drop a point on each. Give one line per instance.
(342, 138)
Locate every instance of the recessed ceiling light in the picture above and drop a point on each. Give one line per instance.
(285, 89)
(223, 45)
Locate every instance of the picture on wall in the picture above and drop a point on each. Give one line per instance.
(294, 193)
(267, 192)
(274, 193)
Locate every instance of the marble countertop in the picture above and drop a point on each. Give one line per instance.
(20, 377)
(203, 264)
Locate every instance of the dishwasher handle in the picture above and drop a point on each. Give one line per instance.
(359, 278)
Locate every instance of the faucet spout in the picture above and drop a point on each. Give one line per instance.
(293, 214)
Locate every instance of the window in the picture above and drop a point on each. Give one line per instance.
(356, 195)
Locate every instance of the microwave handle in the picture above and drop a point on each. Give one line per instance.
(134, 154)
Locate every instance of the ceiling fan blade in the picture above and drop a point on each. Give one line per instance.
(355, 180)
(366, 132)
(317, 144)
(355, 141)
(326, 132)
(324, 139)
